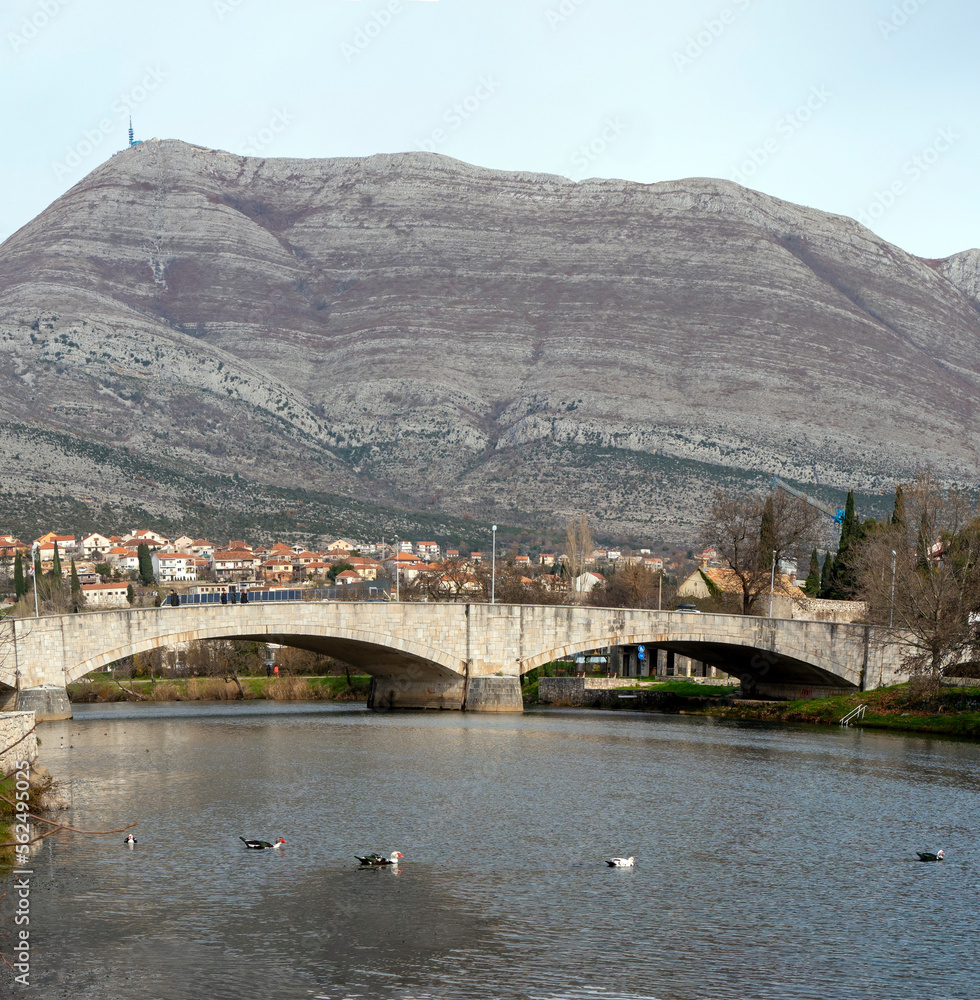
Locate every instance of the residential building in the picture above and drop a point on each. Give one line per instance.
(95, 545)
(587, 582)
(124, 559)
(427, 550)
(109, 595)
(277, 569)
(233, 565)
(169, 567)
(546, 559)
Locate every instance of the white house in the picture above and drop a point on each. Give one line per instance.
(95, 545)
(123, 559)
(587, 582)
(106, 595)
(171, 566)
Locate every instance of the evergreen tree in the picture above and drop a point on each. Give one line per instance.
(56, 571)
(145, 563)
(812, 585)
(76, 587)
(923, 543)
(825, 576)
(841, 583)
(130, 594)
(898, 517)
(20, 584)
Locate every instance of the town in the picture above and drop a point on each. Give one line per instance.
(106, 571)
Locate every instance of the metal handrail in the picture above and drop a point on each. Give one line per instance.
(855, 713)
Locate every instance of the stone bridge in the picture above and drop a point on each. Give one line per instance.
(459, 656)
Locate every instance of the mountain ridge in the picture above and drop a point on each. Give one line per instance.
(405, 326)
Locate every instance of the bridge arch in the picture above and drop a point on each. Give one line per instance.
(375, 654)
(750, 661)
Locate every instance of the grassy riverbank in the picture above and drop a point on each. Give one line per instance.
(101, 688)
(950, 711)
(905, 707)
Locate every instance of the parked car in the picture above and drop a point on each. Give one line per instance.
(691, 608)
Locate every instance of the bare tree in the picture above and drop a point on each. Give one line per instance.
(579, 546)
(633, 586)
(746, 532)
(920, 574)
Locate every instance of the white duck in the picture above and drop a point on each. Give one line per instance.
(620, 862)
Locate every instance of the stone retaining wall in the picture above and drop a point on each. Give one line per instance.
(13, 725)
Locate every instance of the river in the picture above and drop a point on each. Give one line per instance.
(771, 862)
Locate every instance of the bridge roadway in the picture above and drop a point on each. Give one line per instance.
(442, 655)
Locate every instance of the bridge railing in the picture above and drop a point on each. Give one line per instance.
(308, 594)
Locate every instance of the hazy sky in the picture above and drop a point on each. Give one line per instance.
(862, 107)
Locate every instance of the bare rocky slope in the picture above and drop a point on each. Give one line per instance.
(410, 330)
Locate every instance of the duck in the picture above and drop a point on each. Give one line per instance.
(262, 845)
(130, 840)
(379, 860)
(927, 856)
(620, 862)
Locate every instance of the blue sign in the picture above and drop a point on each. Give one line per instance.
(641, 652)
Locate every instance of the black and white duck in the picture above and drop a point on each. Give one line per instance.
(927, 856)
(379, 860)
(620, 862)
(262, 845)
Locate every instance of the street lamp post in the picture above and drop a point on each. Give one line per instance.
(493, 568)
(772, 581)
(891, 610)
(36, 547)
(397, 550)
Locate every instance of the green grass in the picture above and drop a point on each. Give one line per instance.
(950, 711)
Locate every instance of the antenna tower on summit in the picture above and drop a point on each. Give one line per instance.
(132, 141)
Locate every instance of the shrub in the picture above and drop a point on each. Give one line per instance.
(166, 692)
(289, 689)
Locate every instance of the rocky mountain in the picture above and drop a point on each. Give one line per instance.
(412, 331)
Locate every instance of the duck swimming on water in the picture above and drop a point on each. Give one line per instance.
(262, 845)
(379, 860)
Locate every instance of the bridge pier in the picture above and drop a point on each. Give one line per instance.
(477, 694)
(48, 703)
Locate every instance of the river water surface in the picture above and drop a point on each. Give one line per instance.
(771, 863)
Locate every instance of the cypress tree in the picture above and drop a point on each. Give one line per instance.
(146, 564)
(898, 516)
(825, 576)
(76, 587)
(812, 585)
(130, 594)
(56, 571)
(20, 584)
(923, 543)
